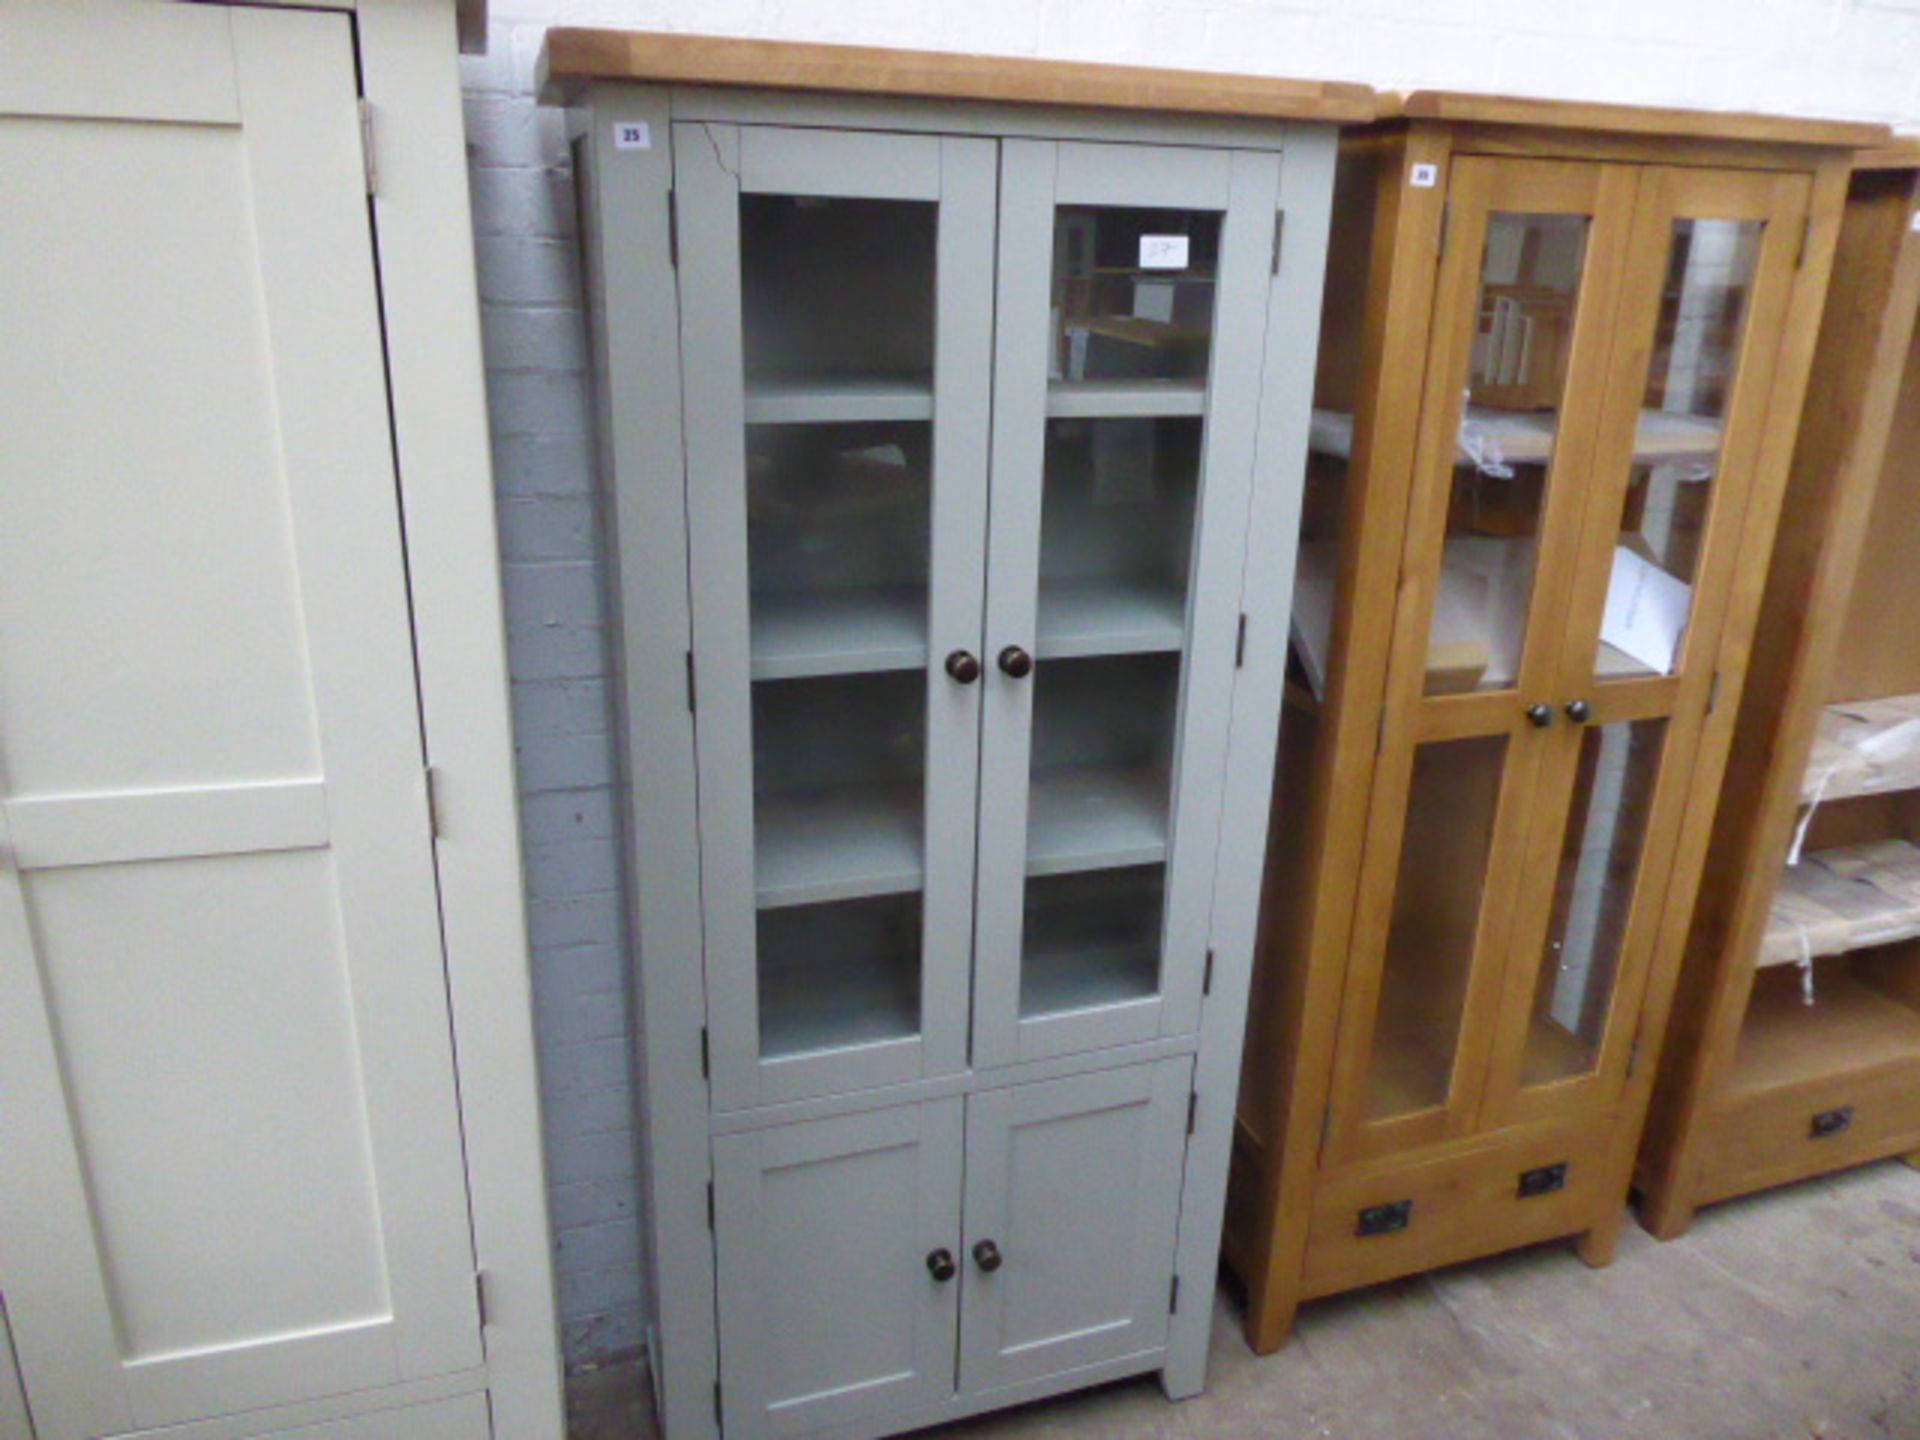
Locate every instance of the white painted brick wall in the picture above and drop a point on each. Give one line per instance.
(1856, 58)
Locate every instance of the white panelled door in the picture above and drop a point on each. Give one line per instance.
(232, 1173)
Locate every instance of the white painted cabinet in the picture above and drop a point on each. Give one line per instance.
(234, 1177)
(935, 437)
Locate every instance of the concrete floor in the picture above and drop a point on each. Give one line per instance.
(1790, 1314)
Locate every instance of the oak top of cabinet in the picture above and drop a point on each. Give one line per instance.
(575, 56)
(1465, 107)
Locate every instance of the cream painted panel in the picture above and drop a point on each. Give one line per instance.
(213, 1074)
(150, 628)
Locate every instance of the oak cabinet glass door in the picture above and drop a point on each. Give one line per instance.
(1131, 311)
(836, 292)
(1591, 419)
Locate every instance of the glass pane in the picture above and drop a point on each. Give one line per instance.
(1599, 862)
(1703, 309)
(1451, 807)
(1091, 939)
(837, 334)
(1133, 293)
(1523, 338)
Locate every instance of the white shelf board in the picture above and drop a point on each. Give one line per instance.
(1095, 818)
(828, 1001)
(802, 402)
(1058, 974)
(838, 844)
(1108, 617)
(1851, 897)
(838, 632)
(1865, 747)
(1525, 437)
(1122, 399)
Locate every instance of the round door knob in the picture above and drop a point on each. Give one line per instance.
(1541, 715)
(1016, 662)
(987, 1256)
(1578, 711)
(940, 1265)
(964, 666)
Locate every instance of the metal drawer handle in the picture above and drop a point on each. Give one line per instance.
(940, 1265)
(1830, 1122)
(987, 1256)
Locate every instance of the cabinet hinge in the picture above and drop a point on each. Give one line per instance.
(1806, 242)
(1446, 218)
(673, 230)
(1326, 1124)
(1193, 1109)
(1279, 230)
(430, 781)
(1713, 693)
(712, 1212)
(717, 1420)
(1206, 976)
(692, 693)
(1240, 642)
(367, 162)
(480, 1297)
(706, 1055)
(1173, 1297)
(1633, 1055)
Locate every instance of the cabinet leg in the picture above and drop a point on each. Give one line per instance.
(1665, 1216)
(1270, 1319)
(1596, 1247)
(1912, 1158)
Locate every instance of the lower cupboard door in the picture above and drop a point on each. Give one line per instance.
(837, 1249)
(1073, 1196)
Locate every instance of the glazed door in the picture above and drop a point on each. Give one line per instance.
(1702, 307)
(1132, 296)
(1517, 367)
(836, 302)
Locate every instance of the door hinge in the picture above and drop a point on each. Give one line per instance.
(692, 692)
(1173, 1297)
(673, 230)
(706, 1055)
(1206, 976)
(712, 1211)
(1193, 1109)
(1713, 693)
(717, 1420)
(1326, 1124)
(1806, 241)
(367, 162)
(1240, 642)
(480, 1297)
(1446, 222)
(430, 780)
(1279, 231)
(1633, 1055)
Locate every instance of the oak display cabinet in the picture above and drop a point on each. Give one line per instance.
(1794, 1047)
(1564, 354)
(954, 444)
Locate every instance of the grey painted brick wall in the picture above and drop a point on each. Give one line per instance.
(1857, 58)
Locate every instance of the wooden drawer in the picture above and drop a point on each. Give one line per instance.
(1771, 1137)
(1457, 1206)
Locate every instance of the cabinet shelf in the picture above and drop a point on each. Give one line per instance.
(1121, 399)
(828, 1000)
(1108, 617)
(1095, 818)
(1525, 437)
(1865, 747)
(1059, 973)
(1848, 898)
(1851, 1027)
(839, 844)
(838, 632)
(837, 401)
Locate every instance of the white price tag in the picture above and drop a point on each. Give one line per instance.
(632, 135)
(1425, 176)
(1163, 252)
(1914, 224)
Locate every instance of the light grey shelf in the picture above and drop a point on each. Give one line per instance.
(1059, 974)
(1095, 818)
(1108, 617)
(1110, 399)
(828, 1000)
(838, 632)
(839, 844)
(828, 401)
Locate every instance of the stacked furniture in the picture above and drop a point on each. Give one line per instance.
(953, 421)
(271, 1160)
(1795, 1042)
(1563, 358)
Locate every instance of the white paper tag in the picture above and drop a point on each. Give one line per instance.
(1425, 176)
(1647, 610)
(1914, 224)
(1163, 252)
(632, 135)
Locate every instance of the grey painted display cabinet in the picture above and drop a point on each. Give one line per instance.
(954, 453)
